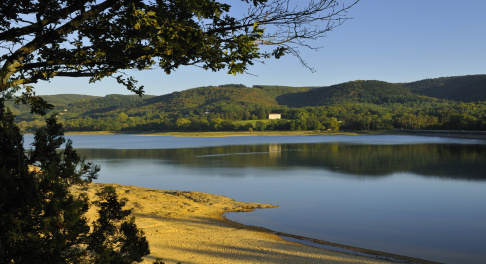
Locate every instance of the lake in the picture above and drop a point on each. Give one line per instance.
(422, 197)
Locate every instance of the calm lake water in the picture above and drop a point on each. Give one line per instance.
(423, 197)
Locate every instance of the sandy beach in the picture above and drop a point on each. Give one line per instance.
(188, 227)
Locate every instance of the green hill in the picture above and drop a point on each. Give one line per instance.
(370, 92)
(470, 88)
(64, 99)
(275, 90)
(209, 98)
(107, 104)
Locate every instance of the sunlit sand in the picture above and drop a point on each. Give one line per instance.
(188, 227)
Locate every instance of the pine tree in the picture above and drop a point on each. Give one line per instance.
(40, 220)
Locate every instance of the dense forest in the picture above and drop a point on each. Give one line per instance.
(449, 103)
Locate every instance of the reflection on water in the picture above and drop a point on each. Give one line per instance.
(436, 160)
(275, 151)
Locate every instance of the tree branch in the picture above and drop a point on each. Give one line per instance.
(14, 62)
(15, 33)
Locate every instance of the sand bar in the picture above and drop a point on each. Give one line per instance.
(188, 227)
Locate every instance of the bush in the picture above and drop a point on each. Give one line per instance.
(40, 220)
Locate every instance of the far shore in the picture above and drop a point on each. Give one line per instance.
(214, 133)
(189, 228)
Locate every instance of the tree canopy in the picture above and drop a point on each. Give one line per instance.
(42, 39)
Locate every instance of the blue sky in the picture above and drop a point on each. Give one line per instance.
(388, 40)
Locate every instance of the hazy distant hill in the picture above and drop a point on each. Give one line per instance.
(57, 100)
(64, 99)
(468, 88)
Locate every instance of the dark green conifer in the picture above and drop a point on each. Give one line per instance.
(41, 221)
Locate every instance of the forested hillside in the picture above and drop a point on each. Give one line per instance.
(370, 92)
(204, 99)
(64, 99)
(276, 91)
(107, 104)
(356, 105)
(471, 88)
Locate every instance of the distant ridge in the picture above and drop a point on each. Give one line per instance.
(203, 98)
(58, 100)
(469, 88)
(372, 92)
(64, 99)
(450, 103)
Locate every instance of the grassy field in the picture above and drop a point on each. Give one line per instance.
(253, 122)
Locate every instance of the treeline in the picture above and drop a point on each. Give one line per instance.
(349, 116)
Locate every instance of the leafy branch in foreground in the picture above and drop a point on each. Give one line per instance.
(40, 40)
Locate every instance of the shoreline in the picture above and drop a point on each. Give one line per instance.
(189, 227)
(214, 133)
